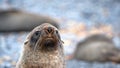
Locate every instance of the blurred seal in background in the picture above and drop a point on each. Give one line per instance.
(42, 49)
(97, 48)
(17, 20)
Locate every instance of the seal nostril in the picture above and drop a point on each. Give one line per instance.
(49, 29)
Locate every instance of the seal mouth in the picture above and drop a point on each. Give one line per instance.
(49, 43)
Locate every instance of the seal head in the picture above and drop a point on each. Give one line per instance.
(45, 38)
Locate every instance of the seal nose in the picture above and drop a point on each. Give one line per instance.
(49, 29)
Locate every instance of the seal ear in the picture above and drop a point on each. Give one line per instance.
(26, 42)
(62, 41)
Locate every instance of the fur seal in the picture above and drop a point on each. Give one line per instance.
(42, 49)
(18, 20)
(97, 48)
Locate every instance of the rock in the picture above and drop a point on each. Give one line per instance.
(97, 48)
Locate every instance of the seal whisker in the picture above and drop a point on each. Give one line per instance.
(35, 47)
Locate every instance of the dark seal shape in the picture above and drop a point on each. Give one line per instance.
(97, 48)
(18, 20)
(42, 49)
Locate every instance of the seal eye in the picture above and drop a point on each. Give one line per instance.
(57, 34)
(37, 33)
(35, 36)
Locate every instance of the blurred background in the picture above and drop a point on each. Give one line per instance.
(76, 20)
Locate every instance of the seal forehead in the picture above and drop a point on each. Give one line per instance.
(42, 26)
